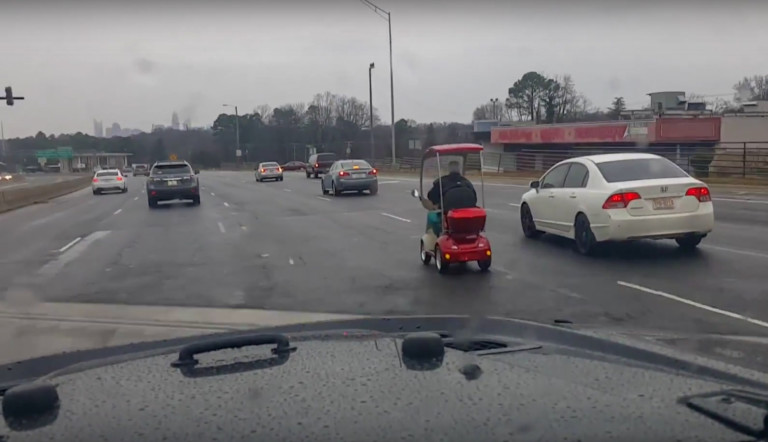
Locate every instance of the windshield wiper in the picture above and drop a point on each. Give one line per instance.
(742, 411)
(186, 362)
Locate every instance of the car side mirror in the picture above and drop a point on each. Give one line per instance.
(534, 184)
(415, 193)
(197, 171)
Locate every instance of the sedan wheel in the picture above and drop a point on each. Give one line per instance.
(526, 221)
(336, 192)
(585, 239)
(689, 242)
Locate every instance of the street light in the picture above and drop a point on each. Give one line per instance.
(386, 15)
(370, 103)
(494, 101)
(237, 128)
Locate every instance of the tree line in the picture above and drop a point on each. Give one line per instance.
(328, 123)
(539, 99)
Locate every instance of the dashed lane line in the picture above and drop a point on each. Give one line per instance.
(741, 252)
(221, 227)
(117, 211)
(321, 198)
(694, 304)
(395, 217)
(70, 244)
(226, 204)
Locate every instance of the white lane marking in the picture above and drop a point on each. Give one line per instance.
(514, 205)
(213, 194)
(117, 211)
(290, 261)
(226, 204)
(503, 185)
(244, 228)
(321, 198)
(203, 187)
(135, 198)
(737, 200)
(287, 190)
(70, 244)
(742, 252)
(53, 267)
(388, 182)
(143, 191)
(694, 304)
(264, 255)
(221, 227)
(396, 217)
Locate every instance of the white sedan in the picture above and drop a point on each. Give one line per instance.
(618, 197)
(107, 180)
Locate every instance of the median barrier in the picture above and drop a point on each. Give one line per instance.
(17, 197)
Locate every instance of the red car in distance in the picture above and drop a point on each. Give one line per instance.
(294, 165)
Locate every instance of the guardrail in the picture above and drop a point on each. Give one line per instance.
(17, 197)
(745, 160)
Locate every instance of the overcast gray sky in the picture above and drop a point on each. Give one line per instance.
(136, 62)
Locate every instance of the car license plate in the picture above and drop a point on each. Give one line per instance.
(172, 182)
(358, 175)
(663, 203)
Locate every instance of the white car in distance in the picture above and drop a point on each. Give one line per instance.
(108, 180)
(618, 197)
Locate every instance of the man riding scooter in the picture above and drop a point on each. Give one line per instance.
(457, 193)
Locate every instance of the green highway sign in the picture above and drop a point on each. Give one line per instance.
(54, 154)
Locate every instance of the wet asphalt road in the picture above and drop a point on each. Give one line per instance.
(285, 246)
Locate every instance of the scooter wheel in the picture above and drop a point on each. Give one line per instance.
(426, 257)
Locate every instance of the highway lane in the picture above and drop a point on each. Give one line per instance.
(284, 246)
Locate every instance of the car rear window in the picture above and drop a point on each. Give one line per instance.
(270, 165)
(639, 169)
(110, 173)
(351, 164)
(326, 157)
(140, 166)
(169, 169)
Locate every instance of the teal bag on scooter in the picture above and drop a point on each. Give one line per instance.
(435, 222)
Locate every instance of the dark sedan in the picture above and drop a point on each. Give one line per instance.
(294, 165)
(350, 176)
(172, 180)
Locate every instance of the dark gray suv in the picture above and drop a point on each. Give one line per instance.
(172, 180)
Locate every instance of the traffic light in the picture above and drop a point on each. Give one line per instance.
(9, 98)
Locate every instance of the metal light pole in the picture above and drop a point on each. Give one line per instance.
(494, 101)
(382, 13)
(237, 127)
(370, 103)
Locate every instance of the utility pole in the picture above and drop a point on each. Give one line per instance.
(370, 103)
(237, 128)
(2, 140)
(495, 101)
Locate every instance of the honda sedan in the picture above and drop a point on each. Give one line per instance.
(618, 197)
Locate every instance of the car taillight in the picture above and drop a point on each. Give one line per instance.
(263, 170)
(119, 178)
(95, 180)
(343, 173)
(700, 193)
(279, 169)
(373, 172)
(620, 200)
(315, 164)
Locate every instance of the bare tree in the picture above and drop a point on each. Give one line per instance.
(324, 105)
(693, 96)
(264, 111)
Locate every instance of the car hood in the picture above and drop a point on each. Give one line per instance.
(349, 381)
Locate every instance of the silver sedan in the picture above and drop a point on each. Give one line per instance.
(349, 176)
(269, 171)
